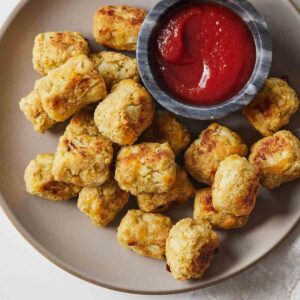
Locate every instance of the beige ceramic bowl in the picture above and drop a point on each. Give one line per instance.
(59, 230)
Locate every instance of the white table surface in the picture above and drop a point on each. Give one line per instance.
(25, 274)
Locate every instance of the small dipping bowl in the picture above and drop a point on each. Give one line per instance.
(150, 78)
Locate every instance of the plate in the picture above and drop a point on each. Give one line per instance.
(59, 230)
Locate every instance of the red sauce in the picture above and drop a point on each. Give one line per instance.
(205, 53)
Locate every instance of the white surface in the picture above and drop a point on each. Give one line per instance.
(25, 274)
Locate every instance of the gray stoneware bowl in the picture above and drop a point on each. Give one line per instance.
(261, 35)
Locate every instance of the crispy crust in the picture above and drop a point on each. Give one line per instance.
(114, 67)
(273, 106)
(40, 181)
(165, 128)
(146, 168)
(52, 49)
(235, 186)
(102, 204)
(214, 144)
(83, 155)
(204, 209)
(189, 249)
(144, 233)
(69, 88)
(181, 191)
(117, 27)
(125, 113)
(33, 110)
(277, 158)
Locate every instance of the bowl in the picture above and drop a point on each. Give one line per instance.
(263, 48)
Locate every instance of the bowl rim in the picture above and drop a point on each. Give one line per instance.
(263, 45)
(64, 266)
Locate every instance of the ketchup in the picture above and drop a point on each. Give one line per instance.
(205, 53)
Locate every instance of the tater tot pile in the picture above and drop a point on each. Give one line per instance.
(165, 128)
(235, 186)
(101, 204)
(277, 158)
(144, 233)
(118, 27)
(83, 155)
(181, 191)
(114, 67)
(118, 148)
(40, 181)
(190, 248)
(52, 49)
(214, 144)
(125, 113)
(146, 168)
(31, 106)
(69, 88)
(273, 106)
(205, 210)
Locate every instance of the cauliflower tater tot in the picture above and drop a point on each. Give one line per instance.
(33, 110)
(204, 210)
(83, 155)
(181, 191)
(273, 106)
(190, 248)
(114, 67)
(277, 158)
(40, 181)
(52, 49)
(102, 204)
(144, 233)
(67, 89)
(125, 113)
(235, 186)
(118, 27)
(146, 168)
(214, 144)
(165, 128)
